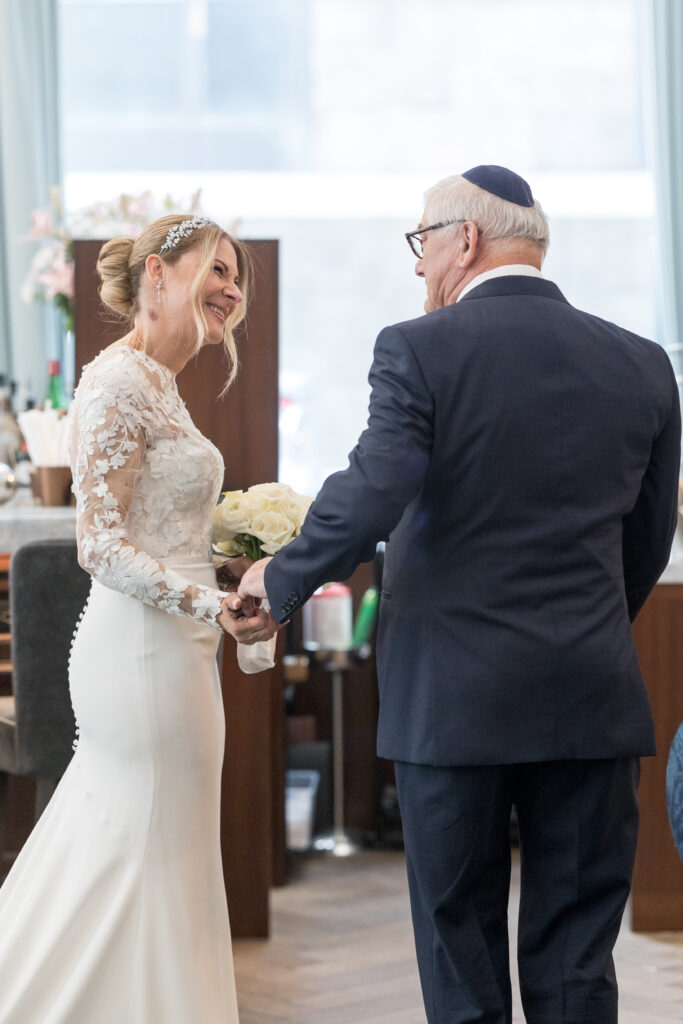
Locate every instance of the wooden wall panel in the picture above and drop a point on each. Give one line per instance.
(244, 427)
(657, 897)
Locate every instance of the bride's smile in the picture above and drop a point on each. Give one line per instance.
(221, 292)
(218, 311)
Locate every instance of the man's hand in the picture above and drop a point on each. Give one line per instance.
(228, 576)
(245, 628)
(252, 584)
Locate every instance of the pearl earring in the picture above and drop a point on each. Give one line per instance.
(158, 291)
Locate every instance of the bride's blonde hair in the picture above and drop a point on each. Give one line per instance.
(121, 264)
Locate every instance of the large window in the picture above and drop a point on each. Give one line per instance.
(321, 122)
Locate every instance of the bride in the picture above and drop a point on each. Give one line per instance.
(115, 910)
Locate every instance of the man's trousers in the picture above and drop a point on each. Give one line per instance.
(578, 823)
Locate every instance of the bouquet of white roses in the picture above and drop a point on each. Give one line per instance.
(256, 522)
(259, 521)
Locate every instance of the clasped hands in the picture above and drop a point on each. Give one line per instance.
(241, 613)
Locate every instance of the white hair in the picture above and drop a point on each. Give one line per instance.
(457, 199)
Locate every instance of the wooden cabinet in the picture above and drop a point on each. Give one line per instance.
(657, 897)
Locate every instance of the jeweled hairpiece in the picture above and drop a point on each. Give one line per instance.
(182, 230)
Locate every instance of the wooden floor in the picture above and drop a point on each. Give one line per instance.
(341, 952)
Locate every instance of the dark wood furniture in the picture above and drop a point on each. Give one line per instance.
(657, 896)
(244, 427)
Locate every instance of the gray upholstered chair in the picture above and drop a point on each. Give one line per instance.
(48, 590)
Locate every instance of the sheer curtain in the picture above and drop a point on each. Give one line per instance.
(665, 58)
(29, 164)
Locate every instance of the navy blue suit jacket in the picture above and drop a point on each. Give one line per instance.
(522, 457)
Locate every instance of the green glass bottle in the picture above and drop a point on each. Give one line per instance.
(365, 619)
(56, 395)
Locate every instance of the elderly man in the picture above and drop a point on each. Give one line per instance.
(522, 457)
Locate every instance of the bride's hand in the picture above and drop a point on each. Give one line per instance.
(229, 575)
(244, 621)
(230, 572)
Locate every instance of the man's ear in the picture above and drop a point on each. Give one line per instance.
(470, 236)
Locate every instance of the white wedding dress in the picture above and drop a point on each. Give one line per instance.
(115, 910)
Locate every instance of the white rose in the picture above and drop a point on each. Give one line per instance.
(282, 498)
(295, 508)
(272, 496)
(264, 497)
(231, 516)
(265, 494)
(229, 548)
(304, 506)
(272, 529)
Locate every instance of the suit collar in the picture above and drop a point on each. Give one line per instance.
(512, 284)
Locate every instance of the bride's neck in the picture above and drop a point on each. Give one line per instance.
(152, 337)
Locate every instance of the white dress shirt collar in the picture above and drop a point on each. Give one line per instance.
(508, 270)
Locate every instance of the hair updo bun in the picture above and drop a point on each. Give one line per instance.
(117, 290)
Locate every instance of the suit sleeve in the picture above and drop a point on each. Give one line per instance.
(360, 506)
(648, 529)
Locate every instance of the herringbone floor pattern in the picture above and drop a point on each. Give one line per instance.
(341, 952)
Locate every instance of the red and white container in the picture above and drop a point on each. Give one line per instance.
(328, 619)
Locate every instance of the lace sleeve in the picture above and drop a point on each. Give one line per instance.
(112, 412)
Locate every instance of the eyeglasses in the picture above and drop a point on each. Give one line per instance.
(414, 239)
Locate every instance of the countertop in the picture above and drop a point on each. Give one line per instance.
(23, 521)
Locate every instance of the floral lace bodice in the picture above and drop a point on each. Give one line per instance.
(146, 483)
